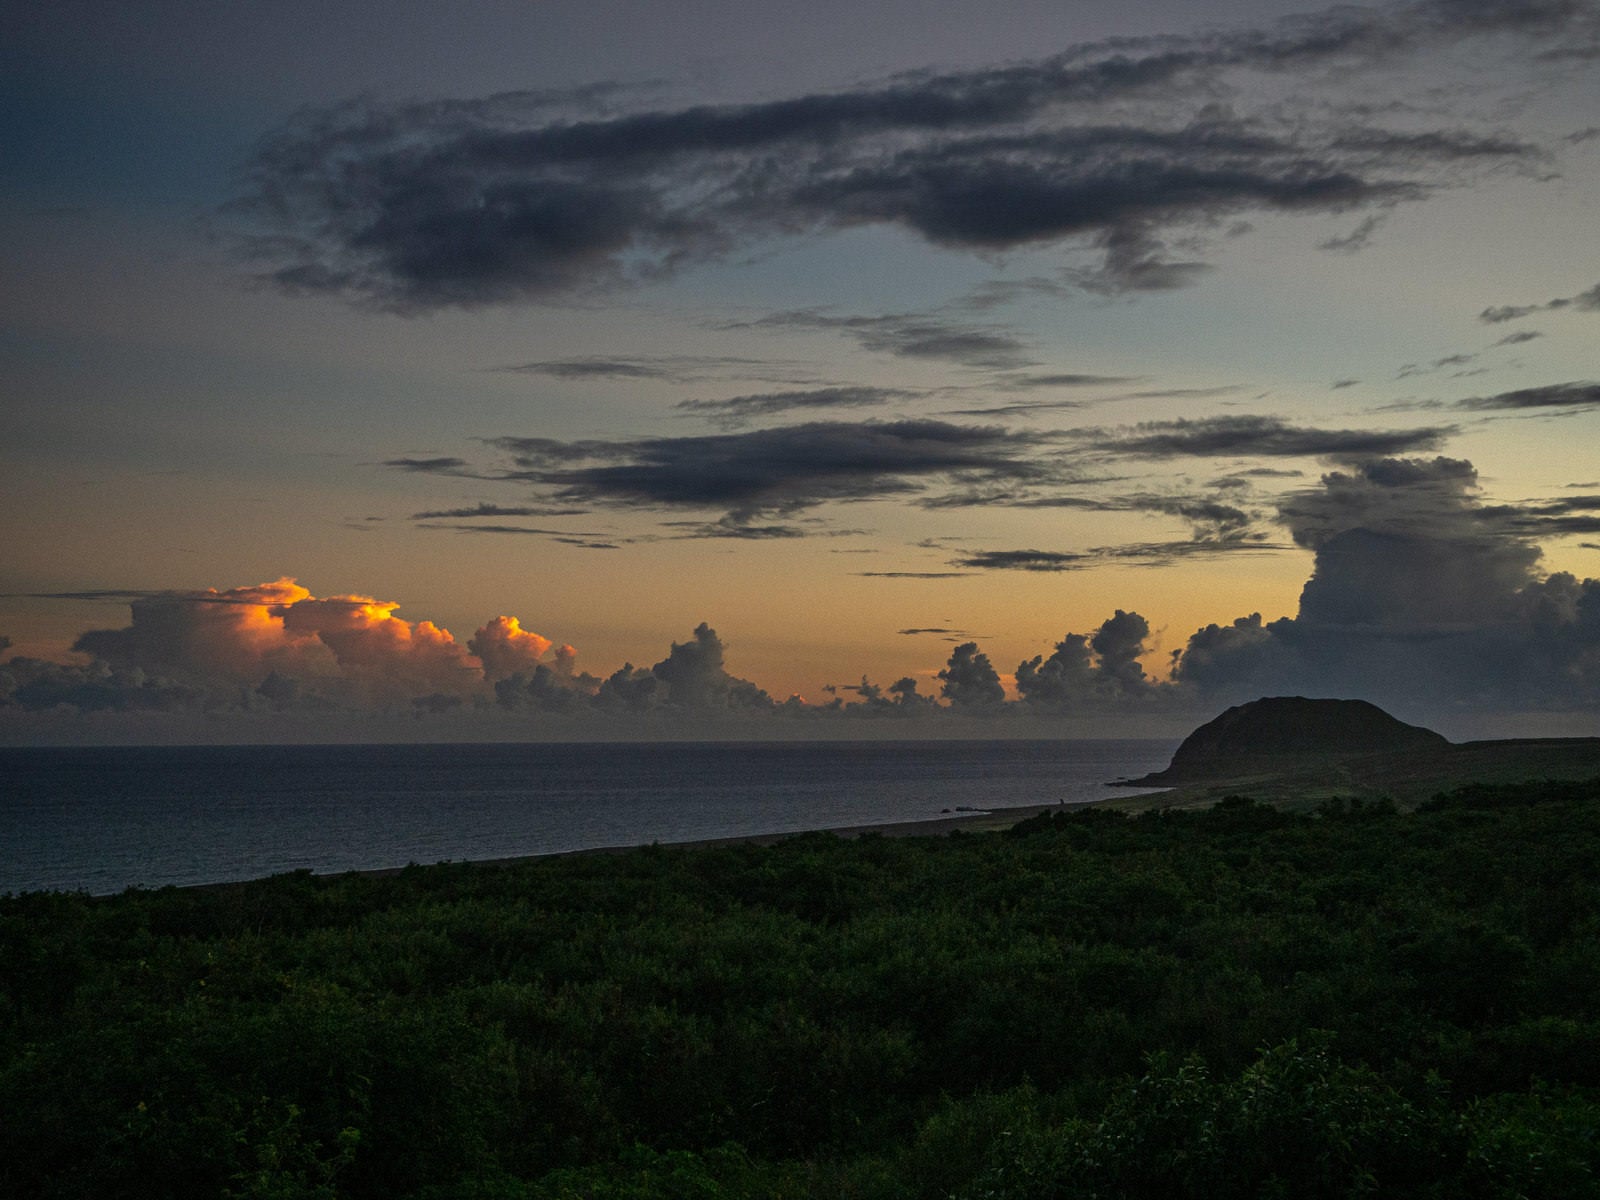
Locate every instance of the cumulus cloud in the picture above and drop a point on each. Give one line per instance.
(1406, 546)
(35, 685)
(1118, 644)
(969, 680)
(1101, 669)
(1065, 677)
(367, 639)
(276, 643)
(237, 632)
(551, 686)
(1420, 594)
(276, 648)
(900, 699)
(694, 676)
(628, 689)
(504, 648)
(1113, 146)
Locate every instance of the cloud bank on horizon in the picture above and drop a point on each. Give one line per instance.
(1421, 596)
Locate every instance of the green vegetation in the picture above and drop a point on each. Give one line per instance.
(1234, 1002)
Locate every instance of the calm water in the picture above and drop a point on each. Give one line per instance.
(105, 818)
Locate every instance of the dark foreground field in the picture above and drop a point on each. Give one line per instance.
(1231, 1002)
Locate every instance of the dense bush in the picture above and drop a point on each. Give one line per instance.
(1237, 1002)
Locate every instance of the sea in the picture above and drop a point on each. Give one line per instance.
(103, 819)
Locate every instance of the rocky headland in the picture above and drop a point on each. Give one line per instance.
(1300, 751)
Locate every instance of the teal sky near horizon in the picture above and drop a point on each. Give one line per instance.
(1185, 356)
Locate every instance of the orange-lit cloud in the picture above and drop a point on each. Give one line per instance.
(367, 639)
(504, 647)
(246, 634)
(237, 633)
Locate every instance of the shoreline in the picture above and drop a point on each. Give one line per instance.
(987, 821)
(984, 821)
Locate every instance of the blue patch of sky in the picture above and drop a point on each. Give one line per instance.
(80, 139)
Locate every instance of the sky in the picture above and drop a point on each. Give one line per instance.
(608, 370)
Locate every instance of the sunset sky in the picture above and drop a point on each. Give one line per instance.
(396, 369)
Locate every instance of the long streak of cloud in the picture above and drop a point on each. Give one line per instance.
(1112, 146)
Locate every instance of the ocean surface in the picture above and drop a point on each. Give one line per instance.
(102, 819)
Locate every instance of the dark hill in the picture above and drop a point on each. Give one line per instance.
(1279, 732)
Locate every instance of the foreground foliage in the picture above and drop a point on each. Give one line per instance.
(1237, 1002)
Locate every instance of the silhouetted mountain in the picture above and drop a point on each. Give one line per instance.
(1281, 731)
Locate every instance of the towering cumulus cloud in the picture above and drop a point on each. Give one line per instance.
(275, 647)
(504, 647)
(238, 633)
(1419, 593)
(970, 680)
(1089, 671)
(276, 644)
(369, 642)
(694, 676)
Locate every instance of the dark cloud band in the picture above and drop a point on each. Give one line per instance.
(1113, 145)
(1259, 436)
